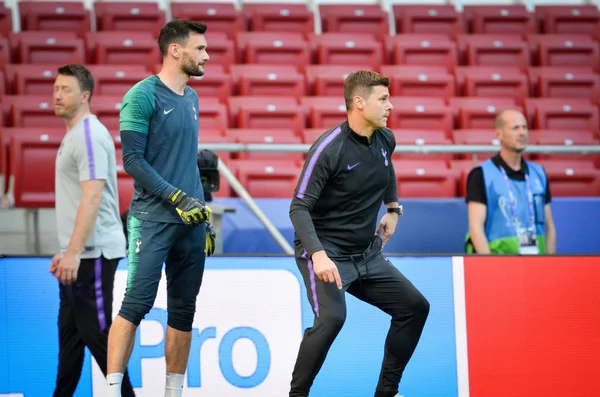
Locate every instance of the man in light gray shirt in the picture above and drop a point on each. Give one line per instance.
(90, 231)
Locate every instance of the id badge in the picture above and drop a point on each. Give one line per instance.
(527, 241)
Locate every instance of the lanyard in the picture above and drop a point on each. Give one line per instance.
(513, 200)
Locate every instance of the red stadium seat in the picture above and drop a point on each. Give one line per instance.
(495, 50)
(270, 115)
(566, 82)
(576, 18)
(566, 138)
(5, 52)
(567, 50)
(310, 135)
(32, 111)
(235, 103)
(324, 112)
(116, 79)
(442, 19)
(220, 17)
(107, 108)
(284, 48)
(267, 137)
(124, 48)
(419, 138)
(423, 81)
(213, 115)
(421, 50)
(463, 167)
(328, 80)
(420, 113)
(50, 50)
(268, 179)
(571, 114)
(216, 82)
(499, 19)
(5, 20)
(418, 178)
(129, 16)
(54, 16)
(479, 112)
(572, 178)
(31, 79)
(493, 82)
(341, 49)
(32, 170)
(212, 135)
(126, 189)
(476, 137)
(268, 80)
(279, 18)
(353, 18)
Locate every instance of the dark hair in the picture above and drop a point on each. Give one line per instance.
(83, 76)
(178, 31)
(361, 83)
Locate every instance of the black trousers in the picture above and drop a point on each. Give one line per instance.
(373, 279)
(84, 318)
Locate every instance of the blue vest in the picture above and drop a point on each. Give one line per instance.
(499, 222)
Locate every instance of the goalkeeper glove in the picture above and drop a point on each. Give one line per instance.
(211, 238)
(191, 210)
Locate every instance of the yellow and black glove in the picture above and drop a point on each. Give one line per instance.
(211, 238)
(191, 210)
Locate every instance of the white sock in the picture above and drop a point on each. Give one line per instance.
(174, 385)
(114, 384)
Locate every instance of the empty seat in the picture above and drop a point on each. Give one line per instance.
(479, 112)
(129, 16)
(126, 189)
(32, 171)
(500, 19)
(342, 49)
(423, 81)
(420, 113)
(496, 50)
(572, 178)
(5, 52)
(213, 115)
(353, 18)
(50, 50)
(124, 48)
(576, 18)
(443, 19)
(5, 20)
(328, 80)
(116, 79)
(266, 17)
(567, 50)
(565, 82)
(420, 138)
(107, 108)
(235, 102)
(54, 16)
(270, 115)
(432, 178)
(324, 112)
(484, 137)
(493, 81)
(268, 80)
(566, 138)
(220, 17)
(216, 82)
(421, 50)
(287, 48)
(212, 135)
(463, 167)
(268, 179)
(565, 114)
(31, 111)
(311, 135)
(34, 79)
(266, 137)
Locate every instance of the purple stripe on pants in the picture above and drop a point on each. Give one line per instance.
(99, 296)
(313, 283)
(313, 161)
(90, 150)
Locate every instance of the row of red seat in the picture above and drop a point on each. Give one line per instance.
(347, 18)
(416, 113)
(328, 80)
(31, 176)
(140, 48)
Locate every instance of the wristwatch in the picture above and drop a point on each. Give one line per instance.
(395, 210)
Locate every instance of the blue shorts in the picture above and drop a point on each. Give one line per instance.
(151, 244)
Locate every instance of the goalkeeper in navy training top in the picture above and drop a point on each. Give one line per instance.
(168, 217)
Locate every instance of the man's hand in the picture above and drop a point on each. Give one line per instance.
(387, 225)
(54, 263)
(191, 210)
(67, 268)
(211, 238)
(325, 269)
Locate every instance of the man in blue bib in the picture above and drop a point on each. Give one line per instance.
(508, 198)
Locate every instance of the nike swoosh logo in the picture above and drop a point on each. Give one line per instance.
(168, 111)
(352, 166)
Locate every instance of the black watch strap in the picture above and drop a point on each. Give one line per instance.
(395, 210)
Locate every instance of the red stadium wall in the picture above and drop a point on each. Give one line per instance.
(533, 326)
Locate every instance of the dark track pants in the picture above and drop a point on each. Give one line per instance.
(84, 318)
(373, 279)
